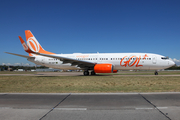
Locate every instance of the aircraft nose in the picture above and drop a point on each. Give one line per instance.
(171, 63)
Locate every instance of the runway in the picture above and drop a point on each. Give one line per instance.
(103, 106)
(78, 74)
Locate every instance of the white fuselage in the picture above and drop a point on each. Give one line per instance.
(120, 61)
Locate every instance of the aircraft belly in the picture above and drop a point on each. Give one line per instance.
(65, 67)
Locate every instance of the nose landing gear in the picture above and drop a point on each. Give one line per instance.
(156, 73)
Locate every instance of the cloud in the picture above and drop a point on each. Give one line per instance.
(18, 64)
(27, 64)
(6, 64)
(176, 61)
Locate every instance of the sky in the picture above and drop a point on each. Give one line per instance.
(90, 26)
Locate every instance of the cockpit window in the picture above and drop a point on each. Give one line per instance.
(164, 58)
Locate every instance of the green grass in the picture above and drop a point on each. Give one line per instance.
(88, 84)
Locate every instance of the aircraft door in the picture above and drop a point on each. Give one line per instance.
(43, 60)
(154, 59)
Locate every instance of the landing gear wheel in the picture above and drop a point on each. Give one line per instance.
(93, 73)
(86, 73)
(156, 73)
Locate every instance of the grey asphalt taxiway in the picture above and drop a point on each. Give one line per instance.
(98, 106)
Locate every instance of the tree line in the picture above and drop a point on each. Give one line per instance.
(5, 68)
(173, 68)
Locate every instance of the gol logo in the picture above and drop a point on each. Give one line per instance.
(25, 46)
(132, 61)
(33, 44)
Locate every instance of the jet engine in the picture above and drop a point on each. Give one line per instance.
(104, 68)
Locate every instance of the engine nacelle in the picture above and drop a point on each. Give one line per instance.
(104, 68)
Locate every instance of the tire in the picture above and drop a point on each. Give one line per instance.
(156, 73)
(86, 73)
(93, 73)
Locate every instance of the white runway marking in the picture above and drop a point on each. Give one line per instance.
(6, 108)
(70, 108)
(162, 107)
(151, 108)
(144, 108)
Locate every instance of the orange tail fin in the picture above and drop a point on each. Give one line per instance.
(33, 44)
(26, 48)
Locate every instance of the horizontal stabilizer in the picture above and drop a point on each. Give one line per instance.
(18, 55)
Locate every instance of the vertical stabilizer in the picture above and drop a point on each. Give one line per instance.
(33, 44)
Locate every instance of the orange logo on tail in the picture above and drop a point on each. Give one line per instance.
(24, 46)
(33, 44)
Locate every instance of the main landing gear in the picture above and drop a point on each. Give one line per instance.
(93, 73)
(156, 72)
(87, 73)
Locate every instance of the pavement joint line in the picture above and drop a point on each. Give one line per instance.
(55, 106)
(154, 106)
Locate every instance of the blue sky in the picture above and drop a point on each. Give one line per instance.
(90, 26)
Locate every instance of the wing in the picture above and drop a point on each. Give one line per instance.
(73, 62)
(65, 60)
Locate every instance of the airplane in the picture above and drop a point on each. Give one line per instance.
(94, 62)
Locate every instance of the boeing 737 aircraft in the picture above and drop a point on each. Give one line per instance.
(96, 62)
